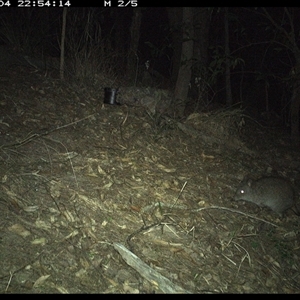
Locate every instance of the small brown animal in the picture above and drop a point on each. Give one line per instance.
(273, 192)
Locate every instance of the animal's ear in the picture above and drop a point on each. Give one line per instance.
(249, 181)
(246, 178)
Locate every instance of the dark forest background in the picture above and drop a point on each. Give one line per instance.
(208, 57)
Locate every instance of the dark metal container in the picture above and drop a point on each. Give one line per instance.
(110, 96)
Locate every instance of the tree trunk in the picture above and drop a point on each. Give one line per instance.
(227, 62)
(133, 59)
(289, 38)
(120, 34)
(175, 20)
(199, 84)
(62, 45)
(295, 104)
(185, 70)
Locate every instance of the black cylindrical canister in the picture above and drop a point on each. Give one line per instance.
(110, 96)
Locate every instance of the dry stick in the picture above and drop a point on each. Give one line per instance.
(151, 275)
(179, 194)
(122, 124)
(37, 135)
(70, 160)
(11, 273)
(235, 211)
(30, 138)
(9, 281)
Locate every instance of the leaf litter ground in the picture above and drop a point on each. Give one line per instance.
(82, 181)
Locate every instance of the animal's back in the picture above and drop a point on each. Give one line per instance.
(275, 193)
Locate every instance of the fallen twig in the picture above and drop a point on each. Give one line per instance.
(164, 284)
